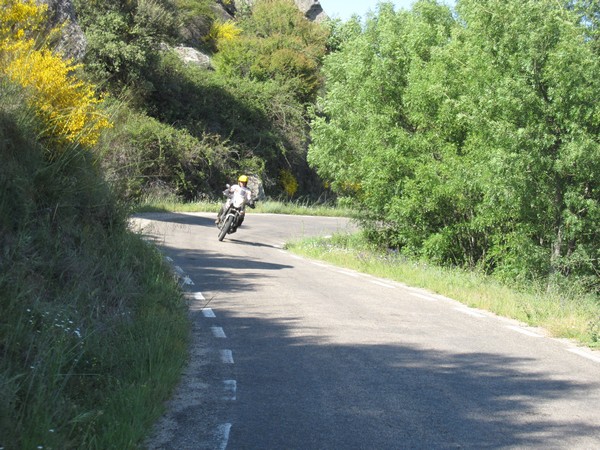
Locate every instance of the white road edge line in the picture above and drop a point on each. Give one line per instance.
(320, 265)
(350, 274)
(188, 281)
(424, 297)
(379, 283)
(218, 332)
(198, 296)
(585, 354)
(223, 431)
(469, 312)
(524, 331)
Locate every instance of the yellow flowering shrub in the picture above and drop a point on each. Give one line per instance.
(289, 182)
(68, 105)
(224, 31)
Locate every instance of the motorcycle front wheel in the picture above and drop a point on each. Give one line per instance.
(225, 227)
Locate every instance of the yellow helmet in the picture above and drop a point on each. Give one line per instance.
(243, 179)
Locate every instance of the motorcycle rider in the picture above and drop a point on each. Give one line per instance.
(238, 194)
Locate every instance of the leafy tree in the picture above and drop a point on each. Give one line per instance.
(535, 134)
(472, 140)
(363, 141)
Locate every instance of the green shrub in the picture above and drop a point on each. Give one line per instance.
(277, 43)
(142, 155)
(260, 123)
(123, 38)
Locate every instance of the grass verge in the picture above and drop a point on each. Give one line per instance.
(565, 315)
(172, 204)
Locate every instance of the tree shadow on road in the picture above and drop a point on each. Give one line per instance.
(225, 273)
(297, 390)
(303, 392)
(179, 218)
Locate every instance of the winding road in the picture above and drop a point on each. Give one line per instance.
(289, 353)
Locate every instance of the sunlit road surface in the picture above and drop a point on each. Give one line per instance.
(289, 353)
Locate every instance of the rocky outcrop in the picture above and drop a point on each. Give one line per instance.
(72, 43)
(225, 10)
(312, 9)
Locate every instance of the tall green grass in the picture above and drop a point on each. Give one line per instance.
(93, 328)
(567, 314)
(298, 207)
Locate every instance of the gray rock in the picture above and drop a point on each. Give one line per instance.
(224, 12)
(190, 55)
(72, 43)
(312, 9)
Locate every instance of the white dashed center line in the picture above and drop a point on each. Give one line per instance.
(223, 435)
(226, 356)
(230, 388)
(208, 312)
(218, 332)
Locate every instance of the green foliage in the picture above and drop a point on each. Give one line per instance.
(253, 124)
(123, 37)
(259, 123)
(143, 156)
(90, 314)
(471, 140)
(277, 43)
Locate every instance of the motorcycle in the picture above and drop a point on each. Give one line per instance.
(233, 215)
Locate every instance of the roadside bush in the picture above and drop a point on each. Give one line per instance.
(123, 38)
(277, 43)
(260, 125)
(68, 106)
(142, 152)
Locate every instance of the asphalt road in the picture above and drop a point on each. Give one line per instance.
(289, 353)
